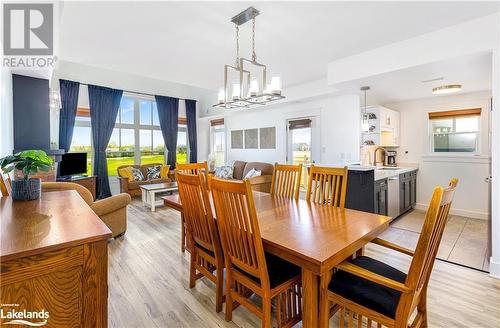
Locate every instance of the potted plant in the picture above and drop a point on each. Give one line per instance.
(29, 162)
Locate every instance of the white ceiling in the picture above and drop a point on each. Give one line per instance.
(189, 42)
(473, 72)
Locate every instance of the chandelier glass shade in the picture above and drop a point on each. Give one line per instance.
(247, 90)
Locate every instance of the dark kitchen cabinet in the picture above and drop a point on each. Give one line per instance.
(360, 190)
(381, 197)
(407, 190)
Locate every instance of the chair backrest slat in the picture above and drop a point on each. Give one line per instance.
(197, 211)
(327, 185)
(239, 228)
(286, 180)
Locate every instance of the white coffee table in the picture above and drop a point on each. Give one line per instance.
(150, 191)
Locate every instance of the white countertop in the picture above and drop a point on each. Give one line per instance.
(394, 171)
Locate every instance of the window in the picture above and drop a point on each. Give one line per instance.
(455, 131)
(136, 137)
(218, 144)
(182, 145)
(82, 136)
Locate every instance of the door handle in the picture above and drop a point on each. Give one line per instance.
(488, 179)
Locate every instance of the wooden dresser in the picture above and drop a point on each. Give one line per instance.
(54, 258)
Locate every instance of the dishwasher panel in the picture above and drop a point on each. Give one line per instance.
(393, 199)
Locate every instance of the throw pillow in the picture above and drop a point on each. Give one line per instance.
(126, 172)
(153, 172)
(253, 173)
(224, 172)
(138, 176)
(164, 171)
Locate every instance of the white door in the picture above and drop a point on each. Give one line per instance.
(302, 144)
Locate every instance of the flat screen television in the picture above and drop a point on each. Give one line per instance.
(73, 164)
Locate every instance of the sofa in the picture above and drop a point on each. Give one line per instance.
(112, 210)
(260, 183)
(133, 187)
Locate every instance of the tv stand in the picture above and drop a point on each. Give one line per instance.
(88, 182)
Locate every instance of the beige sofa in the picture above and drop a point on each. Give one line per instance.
(133, 187)
(112, 210)
(261, 183)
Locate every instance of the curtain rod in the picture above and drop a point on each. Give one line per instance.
(139, 93)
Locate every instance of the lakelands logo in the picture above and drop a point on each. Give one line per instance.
(23, 317)
(28, 37)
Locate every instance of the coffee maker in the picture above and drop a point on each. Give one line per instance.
(390, 158)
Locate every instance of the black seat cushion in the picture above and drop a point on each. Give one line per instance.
(366, 293)
(279, 270)
(209, 252)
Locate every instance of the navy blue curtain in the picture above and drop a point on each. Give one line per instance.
(69, 102)
(191, 127)
(168, 115)
(104, 104)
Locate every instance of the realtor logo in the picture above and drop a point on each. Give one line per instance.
(28, 29)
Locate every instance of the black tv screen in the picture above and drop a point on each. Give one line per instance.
(73, 163)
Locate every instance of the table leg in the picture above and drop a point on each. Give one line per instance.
(144, 197)
(152, 200)
(309, 299)
(324, 304)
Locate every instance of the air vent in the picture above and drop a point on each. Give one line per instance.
(433, 80)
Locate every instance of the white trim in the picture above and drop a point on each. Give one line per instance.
(458, 212)
(477, 159)
(494, 269)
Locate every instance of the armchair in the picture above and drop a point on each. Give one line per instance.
(112, 211)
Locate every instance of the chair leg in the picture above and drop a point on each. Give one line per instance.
(422, 308)
(229, 299)
(192, 270)
(183, 234)
(266, 309)
(219, 293)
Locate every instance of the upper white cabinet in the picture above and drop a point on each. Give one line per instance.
(384, 126)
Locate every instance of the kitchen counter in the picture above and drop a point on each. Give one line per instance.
(389, 172)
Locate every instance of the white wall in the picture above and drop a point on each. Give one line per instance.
(6, 113)
(471, 198)
(338, 119)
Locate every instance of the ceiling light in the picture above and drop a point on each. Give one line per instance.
(247, 84)
(445, 89)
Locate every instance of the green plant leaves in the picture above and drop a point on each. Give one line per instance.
(28, 161)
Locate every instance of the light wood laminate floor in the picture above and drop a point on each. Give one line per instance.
(148, 283)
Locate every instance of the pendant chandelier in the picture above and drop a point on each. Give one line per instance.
(246, 90)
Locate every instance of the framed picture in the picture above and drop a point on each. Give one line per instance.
(237, 139)
(252, 139)
(268, 138)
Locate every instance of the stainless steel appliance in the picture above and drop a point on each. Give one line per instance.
(393, 196)
(390, 158)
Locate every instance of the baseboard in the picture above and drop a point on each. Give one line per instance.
(494, 269)
(458, 212)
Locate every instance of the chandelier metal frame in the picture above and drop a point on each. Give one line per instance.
(245, 76)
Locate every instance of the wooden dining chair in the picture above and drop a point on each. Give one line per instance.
(189, 168)
(382, 294)
(327, 185)
(192, 168)
(248, 269)
(286, 180)
(206, 251)
(5, 184)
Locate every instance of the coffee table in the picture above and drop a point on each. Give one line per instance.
(150, 191)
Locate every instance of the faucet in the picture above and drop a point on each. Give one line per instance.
(375, 155)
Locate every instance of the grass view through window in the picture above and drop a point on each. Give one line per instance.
(136, 137)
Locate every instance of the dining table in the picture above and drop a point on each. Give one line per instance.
(316, 237)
